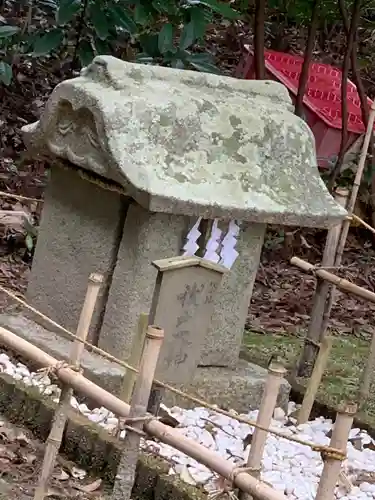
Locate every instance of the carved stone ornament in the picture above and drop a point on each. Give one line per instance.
(189, 143)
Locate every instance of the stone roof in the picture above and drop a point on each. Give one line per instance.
(189, 143)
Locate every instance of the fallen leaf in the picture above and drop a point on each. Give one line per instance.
(6, 453)
(89, 488)
(8, 433)
(78, 473)
(62, 476)
(22, 438)
(54, 492)
(29, 458)
(304, 242)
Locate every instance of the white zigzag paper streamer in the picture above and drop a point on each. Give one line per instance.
(213, 243)
(191, 245)
(229, 254)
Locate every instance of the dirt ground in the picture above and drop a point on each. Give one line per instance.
(20, 463)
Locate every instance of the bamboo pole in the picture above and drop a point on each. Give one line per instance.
(55, 437)
(135, 357)
(362, 222)
(305, 364)
(138, 408)
(154, 428)
(314, 382)
(267, 406)
(344, 285)
(350, 210)
(364, 389)
(332, 464)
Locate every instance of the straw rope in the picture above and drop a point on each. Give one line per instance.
(328, 451)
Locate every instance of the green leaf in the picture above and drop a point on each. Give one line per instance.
(122, 18)
(221, 8)
(48, 3)
(5, 73)
(141, 15)
(67, 10)
(85, 53)
(48, 42)
(149, 44)
(203, 62)
(8, 31)
(102, 48)
(165, 39)
(187, 36)
(99, 21)
(199, 21)
(165, 7)
(29, 242)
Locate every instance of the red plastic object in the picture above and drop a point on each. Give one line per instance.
(322, 100)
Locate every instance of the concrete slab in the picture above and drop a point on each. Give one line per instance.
(239, 388)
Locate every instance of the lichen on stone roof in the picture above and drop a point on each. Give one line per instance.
(189, 143)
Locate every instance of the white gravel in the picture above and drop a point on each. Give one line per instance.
(289, 467)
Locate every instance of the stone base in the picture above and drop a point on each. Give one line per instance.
(239, 389)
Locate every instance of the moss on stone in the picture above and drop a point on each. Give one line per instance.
(168, 487)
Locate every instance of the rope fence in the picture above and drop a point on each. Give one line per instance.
(138, 422)
(315, 447)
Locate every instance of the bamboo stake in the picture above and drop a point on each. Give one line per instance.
(364, 390)
(138, 407)
(341, 283)
(332, 464)
(154, 428)
(55, 437)
(314, 382)
(267, 406)
(135, 357)
(350, 209)
(305, 363)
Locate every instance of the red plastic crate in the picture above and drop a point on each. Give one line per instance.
(322, 100)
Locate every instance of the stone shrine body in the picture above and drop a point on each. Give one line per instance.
(139, 154)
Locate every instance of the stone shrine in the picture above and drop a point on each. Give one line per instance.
(139, 154)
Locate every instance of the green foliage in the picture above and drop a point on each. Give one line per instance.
(48, 42)
(299, 12)
(67, 11)
(164, 32)
(5, 73)
(8, 31)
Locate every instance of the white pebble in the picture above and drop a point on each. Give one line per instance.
(291, 468)
(279, 414)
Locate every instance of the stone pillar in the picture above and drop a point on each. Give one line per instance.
(223, 341)
(146, 237)
(80, 232)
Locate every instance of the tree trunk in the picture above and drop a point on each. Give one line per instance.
(351, 37)
(307, 58)
(260, 69)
